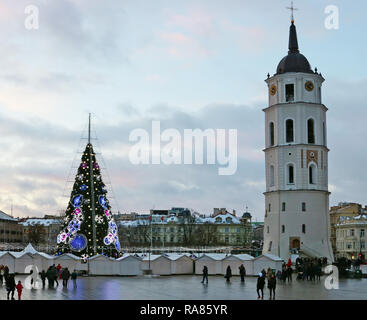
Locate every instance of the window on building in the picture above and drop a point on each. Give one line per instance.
(270, 244)
(290, 174)
(289, 92)
(289, 131)
(172, 230)
(349, 245)
(352, 232)
(311, 131)
(271, 132)
(283, 206)
(272, 176)
(238, 230)
(283, 228)
(362, 233)
(363, 245)
(267, 229)
(226, 230)
(303, 206)
(323, 134)
(269, 207)
(312, 174)
(303, 228)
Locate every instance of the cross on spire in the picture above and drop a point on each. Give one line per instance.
(292, 8)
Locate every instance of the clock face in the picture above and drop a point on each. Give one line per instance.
(309, 86)
(312, 154)
(273, 90)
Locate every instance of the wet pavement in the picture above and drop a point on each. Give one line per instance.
(189, 287)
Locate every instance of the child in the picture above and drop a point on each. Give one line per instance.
(19, 288)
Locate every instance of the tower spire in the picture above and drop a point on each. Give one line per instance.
(293, 42)
(292, 8)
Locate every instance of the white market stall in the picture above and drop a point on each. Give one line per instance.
(213, 261)
(181, 264)
(128, 265)
(22, 260)
(42, 261)
(235, 261)
(101, 265)
(267, 260)
(160, 265)
(7, 259)
(67, 260)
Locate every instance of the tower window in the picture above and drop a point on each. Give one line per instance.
(283, 206)
(271, 176)
(311, 131)
(267, 229)
(283, 228)
(270, 244)
(289, 131)
(271, 131)
(303, 228)
(323, 134)
(303, 206)
(290, 174)
(312, 174)
(289, 92)
(269, 207)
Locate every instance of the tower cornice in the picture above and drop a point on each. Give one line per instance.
(296, 103)
(297, 145)
(297, 190)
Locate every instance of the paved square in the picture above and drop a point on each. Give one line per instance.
(189, 287)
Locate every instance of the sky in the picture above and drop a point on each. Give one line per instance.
(189, 64)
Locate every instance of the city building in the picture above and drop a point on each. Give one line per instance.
(342, 210)
(296, 160)
(351, 237)
(10, 230)
(47, 228)
(183, 227)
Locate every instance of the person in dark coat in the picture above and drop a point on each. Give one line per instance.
(205, 274)
(73, 277)
(242, 272)
(228, 274)
(50, 277)
(289, 273)
(43, 278)
(10, 286)
(260, 285)
(272, 283)
(55, 274)
(65, 275)
(6, 272)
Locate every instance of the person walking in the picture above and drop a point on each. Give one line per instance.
(260, 285)
(10, 286)
(65, 275)
(269, 273)
(242, 272)
(289, 273)
(43, 278)
(6, 272)
(205, 274)
(50, 277)
(59, 270)
(1, 274)
(73, 277)
(55, 274)
(272, 283)
(228, 274)
(19, 288)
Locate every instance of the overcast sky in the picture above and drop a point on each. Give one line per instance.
(190, 64)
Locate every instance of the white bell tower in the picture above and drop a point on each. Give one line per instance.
(296, 160)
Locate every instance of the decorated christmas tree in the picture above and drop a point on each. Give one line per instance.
(89, 227)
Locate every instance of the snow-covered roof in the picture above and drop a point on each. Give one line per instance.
(125, 256)
(244, 256)
(219, 219)
(67, 255)
(29, 249)
(215, 256)
(153, 257)
(4, 216)
(176, 256)
(270, 256)
(43, 222)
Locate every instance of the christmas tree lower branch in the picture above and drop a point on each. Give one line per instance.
(89, 227)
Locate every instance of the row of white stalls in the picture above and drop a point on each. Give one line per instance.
(137, 264)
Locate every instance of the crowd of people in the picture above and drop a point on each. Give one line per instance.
(53, 274)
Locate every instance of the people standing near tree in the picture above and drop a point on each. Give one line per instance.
(228, 274)
(43, 278)
(242, 272)
(269, 273)
(272, 282)
(65, 275)
(260, 285)
(205, 274)
(19, 288)
(73, 277)
(55, 274)
(10, 286)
